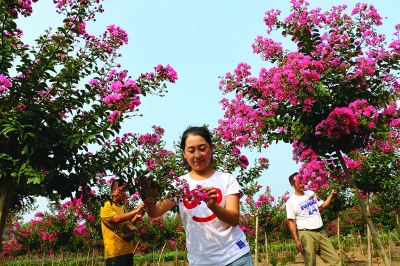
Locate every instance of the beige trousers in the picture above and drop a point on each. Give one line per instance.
(318, 243)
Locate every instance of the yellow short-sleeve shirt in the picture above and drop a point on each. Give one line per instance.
(114, 245)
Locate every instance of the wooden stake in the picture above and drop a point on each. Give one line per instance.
(389, 246)
(93, 258)
(369, 237)
(256, 242)
(338, 237)
(266, 248)
(162, 251)
(77, 258)
(87, 258)
(154, 256)
(362, 252)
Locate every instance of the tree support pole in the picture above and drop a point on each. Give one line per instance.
(364, 211)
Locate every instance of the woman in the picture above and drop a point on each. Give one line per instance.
(212, 234)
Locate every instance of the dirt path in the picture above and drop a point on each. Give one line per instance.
(353, 258)
(350, 258)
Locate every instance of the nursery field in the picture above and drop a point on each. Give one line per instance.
(351, 256)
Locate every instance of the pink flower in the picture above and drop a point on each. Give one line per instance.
(91, 218)
(4, 83)
(244, 162)
(39, 214)
(271, 198)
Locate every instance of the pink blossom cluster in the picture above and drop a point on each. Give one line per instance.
(49, 237)
(276, 86)
(16, 37)
(196, 195)
(271, 18)
(115, 37)
(149, 139)
(264, 162)
(302, 153)
(236, 124)
(341, 121)
(5, 83)
(122, 94)
(263, 199)
(391, 143)
(76, 25)
(23, 7)
(345, 121)
(10, 246)
(166, 73)
(114, 116)
(243, 161)
(235, 151)
(61, 3)
(82, 230)
(314, 174)
(38, 215)
(368, 14)
(269, 48)
(352, 164)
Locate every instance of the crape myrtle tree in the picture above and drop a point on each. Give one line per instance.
(148, 168)
(335, 94)
(49, 119)
(376, 174)
(271, 217)
(142, 161)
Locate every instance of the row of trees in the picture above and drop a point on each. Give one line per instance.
(74, 225)
(60, 136)
(334, 97)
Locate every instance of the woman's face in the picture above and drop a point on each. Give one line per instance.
(197, 152)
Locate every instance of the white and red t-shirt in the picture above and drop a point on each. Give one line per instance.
(208, 240)
(304, 209)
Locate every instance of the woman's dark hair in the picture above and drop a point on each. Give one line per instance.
(194, 131)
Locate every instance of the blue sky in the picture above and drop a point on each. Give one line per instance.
(201, 40)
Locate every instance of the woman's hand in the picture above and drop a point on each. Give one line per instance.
(212, 194)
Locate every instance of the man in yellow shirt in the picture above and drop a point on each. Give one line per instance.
(117, 252)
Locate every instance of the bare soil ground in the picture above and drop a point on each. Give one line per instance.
(355, 257)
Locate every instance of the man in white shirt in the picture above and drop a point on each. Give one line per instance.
(305, 224)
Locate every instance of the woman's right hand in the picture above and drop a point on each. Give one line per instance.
(213, 194)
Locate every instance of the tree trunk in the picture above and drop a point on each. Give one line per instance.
(364, 211)
(6, 191)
